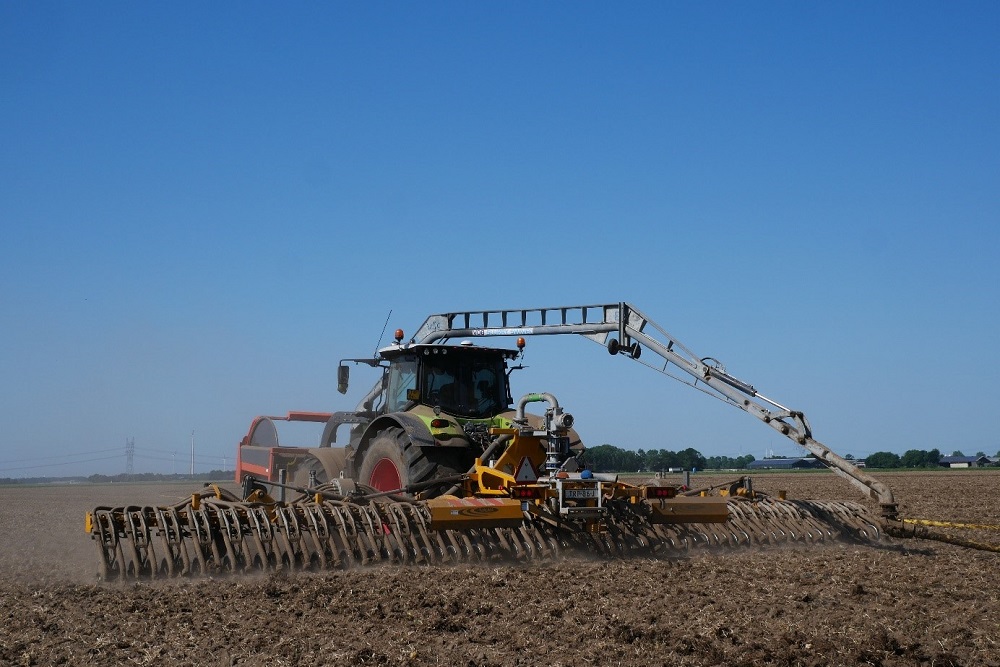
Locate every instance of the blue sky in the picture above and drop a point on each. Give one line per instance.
(204, 208)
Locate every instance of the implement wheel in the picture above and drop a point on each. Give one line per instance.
(392, 462)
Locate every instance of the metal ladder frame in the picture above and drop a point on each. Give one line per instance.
(636, 332)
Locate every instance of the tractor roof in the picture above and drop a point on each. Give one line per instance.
(466, 347)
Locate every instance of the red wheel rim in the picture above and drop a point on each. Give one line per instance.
(385, 476)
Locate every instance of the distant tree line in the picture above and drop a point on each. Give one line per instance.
(608, 458)
(913, 458)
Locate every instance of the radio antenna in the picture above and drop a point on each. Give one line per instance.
(379, 344)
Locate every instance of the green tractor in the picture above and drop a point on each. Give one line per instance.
(426, 421)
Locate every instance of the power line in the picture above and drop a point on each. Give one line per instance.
(169, 452)
(60, 456)
(57, 465)
(200, 460)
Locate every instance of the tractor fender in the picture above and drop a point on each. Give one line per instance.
(412, 426)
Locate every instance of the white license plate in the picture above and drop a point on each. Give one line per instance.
(576, 494)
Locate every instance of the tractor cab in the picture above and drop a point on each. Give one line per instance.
(466, 380)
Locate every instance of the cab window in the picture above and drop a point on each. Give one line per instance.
(402, 378)
(465, 385)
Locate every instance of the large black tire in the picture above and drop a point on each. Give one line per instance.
(391, 462)
(299, 475)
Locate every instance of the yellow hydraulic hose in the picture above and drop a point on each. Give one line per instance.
(918, 528)
(951, 524)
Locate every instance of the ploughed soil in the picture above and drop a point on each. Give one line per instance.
(906, 602)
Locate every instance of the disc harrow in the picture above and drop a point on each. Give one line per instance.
(220, 536)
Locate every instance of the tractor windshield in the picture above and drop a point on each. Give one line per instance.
(464, 383)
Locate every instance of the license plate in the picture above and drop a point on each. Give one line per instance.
(577, 494)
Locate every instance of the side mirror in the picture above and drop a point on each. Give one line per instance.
(343, 375)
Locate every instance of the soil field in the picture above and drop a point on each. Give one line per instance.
(908, 602)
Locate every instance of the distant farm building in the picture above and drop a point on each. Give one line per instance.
(785, 464)
(964, 461)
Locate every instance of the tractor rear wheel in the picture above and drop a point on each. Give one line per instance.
(300, 474)
(392, 462)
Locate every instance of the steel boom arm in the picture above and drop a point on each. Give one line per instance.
(636, 333)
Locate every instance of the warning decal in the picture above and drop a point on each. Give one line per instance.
(525, 471)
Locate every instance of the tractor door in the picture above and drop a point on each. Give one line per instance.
(402, 389)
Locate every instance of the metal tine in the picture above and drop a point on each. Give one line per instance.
(133, 560)
(349, 534)
(633, 540)
(181, 545)
(490, 544)
(362, 535)
(333, 545)
(109, 545)
(317, 535)
(375, 531)
(391, 531)
(248, 539)
(284, 550)
(594, 541)
(260, 530)
(795, 521)
(839, 515)
(434, 549)
(289, 537)
(525, 552)
(506, 546)
(647, 539)
(548, 543)
(197, 563)
(661, 539)
(167, 564)
(438, 547)
(331, 531)
(352, 535)
(855, 515)
(347, 546)
(243, 539)
(530, 537)
(738, 537)
(620, 534)
(146, 520)
(465, 549)
(444, 553)
(686, 537)
(403, 548)
(860, 519)
(481, 548)
(401, 532)
(365, 535)
(810, 519)
(380, 531)
(760, 518)
(229, 561)
(419, 538)
(461, 548)
(477, 550)
(658, 541)
(757, 519)
(210, 560)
